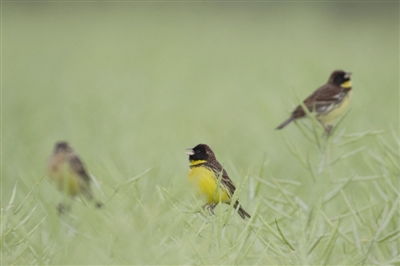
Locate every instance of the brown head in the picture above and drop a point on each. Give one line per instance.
(201, 152)
(340, 78)
(62, 146)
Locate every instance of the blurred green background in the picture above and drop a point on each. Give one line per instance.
(132, 84)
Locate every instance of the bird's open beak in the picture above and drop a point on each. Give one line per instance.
(189, 151)
(348, 75)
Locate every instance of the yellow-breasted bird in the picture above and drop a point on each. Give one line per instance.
(328, 102)
(68, 172)
(211, 179)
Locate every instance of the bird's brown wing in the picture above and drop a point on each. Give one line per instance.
(321, 99)
(327, 97)
(222, 175)
(227, 182)
(78, 167)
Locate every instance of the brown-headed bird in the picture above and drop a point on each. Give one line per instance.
(328, 102)
(211, 179)
(68, 172)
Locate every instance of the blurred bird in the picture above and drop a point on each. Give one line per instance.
(66, 169)
(211, 180)
(328, 102)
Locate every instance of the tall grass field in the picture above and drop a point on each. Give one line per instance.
(132, 84)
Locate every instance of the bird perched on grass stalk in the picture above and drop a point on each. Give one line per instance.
(328, 102)
(211, 179)
(68, 172)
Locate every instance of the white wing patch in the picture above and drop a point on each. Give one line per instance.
(327, 106)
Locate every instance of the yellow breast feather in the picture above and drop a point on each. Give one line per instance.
(207, 185)
(66, 180)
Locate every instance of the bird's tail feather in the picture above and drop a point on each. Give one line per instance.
(284, 124)
(89, 196)
(241, 211)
